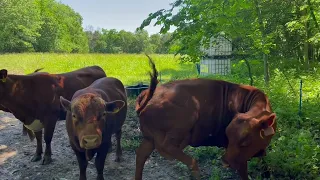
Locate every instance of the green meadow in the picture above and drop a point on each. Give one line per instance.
(129, 68)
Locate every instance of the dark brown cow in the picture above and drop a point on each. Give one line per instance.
(34, 100)
(203, 112)
(25, 131)
(93, 115)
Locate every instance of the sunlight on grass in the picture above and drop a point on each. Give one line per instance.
(129, 68)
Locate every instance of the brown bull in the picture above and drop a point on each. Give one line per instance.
(34, 100)
(93, 115)
(203, 112)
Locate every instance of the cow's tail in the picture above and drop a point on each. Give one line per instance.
(146, 95)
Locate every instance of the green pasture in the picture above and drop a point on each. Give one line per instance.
(129, 68)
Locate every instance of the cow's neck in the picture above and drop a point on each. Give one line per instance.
(14, 95)
(256, 102)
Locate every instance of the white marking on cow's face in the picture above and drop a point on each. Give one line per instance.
(35, 126)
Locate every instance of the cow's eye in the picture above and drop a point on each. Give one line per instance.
(102, 116)
(74, 118)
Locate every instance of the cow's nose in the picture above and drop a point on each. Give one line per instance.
(90, 141)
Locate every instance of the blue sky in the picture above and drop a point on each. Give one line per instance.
(117, 14)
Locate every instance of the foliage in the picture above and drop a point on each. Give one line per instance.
(113, 41)
(61, 30)
(50, 26)
(279, 29)
(19, 25)
(40, 25)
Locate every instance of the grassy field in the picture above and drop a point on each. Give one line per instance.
(295, 150)
(129, 68)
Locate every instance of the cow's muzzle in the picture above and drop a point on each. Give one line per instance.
(230, 163)
(90, 141)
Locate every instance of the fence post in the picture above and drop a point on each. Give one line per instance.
(300, 101)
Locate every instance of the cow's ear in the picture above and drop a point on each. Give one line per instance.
(114, 106)
(266, 124)
(66, 104)
(3, 75)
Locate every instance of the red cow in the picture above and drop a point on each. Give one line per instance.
(203, 112)
(93, 115)
(34, 100)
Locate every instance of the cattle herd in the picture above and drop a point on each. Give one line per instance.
(174, 115)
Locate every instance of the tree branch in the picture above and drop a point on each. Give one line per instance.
(313, 16)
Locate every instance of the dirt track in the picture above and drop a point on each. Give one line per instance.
(16, 152)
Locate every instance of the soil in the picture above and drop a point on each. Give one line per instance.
(16, 151)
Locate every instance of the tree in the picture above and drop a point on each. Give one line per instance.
(49, 28)
(19, 25)
(71, 36)
(274, 29)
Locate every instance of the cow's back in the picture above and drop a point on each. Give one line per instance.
(202, 105)
(79, 79)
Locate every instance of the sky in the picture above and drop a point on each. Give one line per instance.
(118, 14)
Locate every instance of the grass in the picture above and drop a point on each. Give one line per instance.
(129, 68)
(295, 150)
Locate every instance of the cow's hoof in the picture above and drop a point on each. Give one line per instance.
(195, 175)
(46, 160)
(36, 157)
(110, 150)
(100, 177)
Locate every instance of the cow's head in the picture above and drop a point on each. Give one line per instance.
(248, 137)
(89, 113)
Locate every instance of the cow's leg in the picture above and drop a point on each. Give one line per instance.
(82, 162)
(37, 156)
(119, 149)
(48, 133)
(31, 134)
(178, 154)
(142, 154)
(100, 159)
(24, 130)
(243, 171)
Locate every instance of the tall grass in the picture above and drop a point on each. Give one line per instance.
(129, 68)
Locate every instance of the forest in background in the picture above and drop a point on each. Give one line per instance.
(270, 30)
(50, 26)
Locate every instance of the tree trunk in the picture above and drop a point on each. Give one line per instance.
(266, 69)
(306, 43)
(263, 36)
(313, 15)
